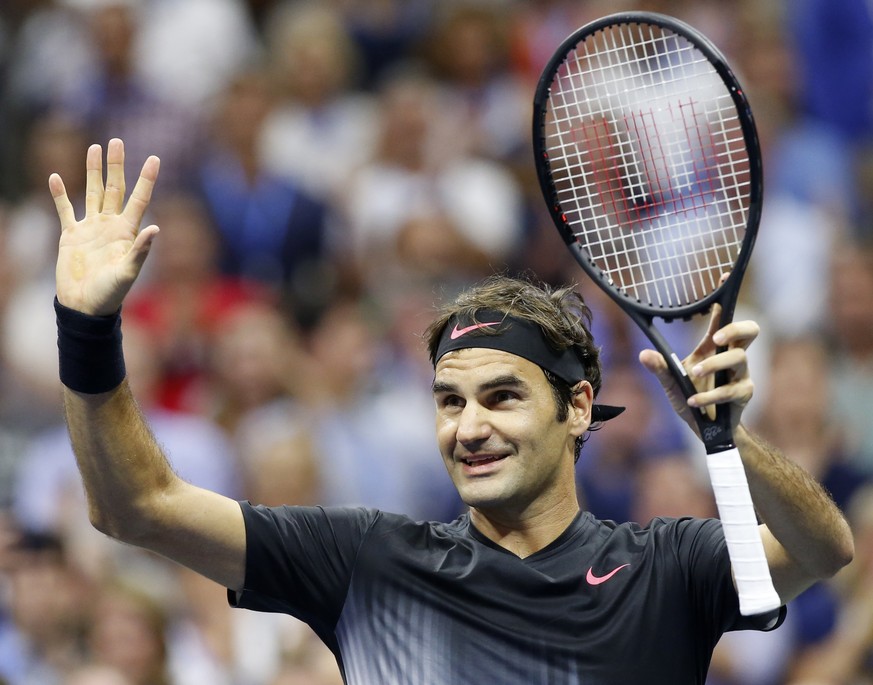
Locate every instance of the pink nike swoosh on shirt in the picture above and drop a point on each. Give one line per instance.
(597, 580)
(458, 332)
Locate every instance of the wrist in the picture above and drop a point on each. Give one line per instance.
(742, 436)
(90, 353)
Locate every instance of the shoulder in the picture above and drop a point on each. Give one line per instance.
(681, 537)
(311, 517)
(658, 527)
(366, 521)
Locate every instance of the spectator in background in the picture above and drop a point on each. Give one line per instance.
(423, 209)
(387, 32)
(91, 674)
(117, 100)
(50, 56)
(189, 50)
(539, 27)
(833, 45)
(672, 485)
(187, 636)
(277, 450)
(468, 53)
(811, 195)
(322, 127)
(798, 416)
(255, 360)
(272, 231)
(184, 297)
(850, 326)
(47, 602)
(128, 632)
(311, 664)
(15, 400)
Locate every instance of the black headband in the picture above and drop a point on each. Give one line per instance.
(500, 331)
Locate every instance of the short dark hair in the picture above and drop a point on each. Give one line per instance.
(561, 312)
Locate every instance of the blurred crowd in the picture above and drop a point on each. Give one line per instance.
(331, 171)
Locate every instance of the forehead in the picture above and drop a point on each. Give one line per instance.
(475, 365)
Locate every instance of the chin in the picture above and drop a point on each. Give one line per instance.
(484, 498)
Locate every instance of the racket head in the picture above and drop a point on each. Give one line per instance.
(648, 159)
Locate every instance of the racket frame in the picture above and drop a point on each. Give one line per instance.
(715, 433)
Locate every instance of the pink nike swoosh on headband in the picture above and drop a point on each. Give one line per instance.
(597, 580)
(458, 332)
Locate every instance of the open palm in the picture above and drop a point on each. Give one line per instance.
(100, 256)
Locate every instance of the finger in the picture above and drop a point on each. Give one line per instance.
(706, 346)
(94, 180)
(733, 393)
(62, 203)
(733, 359)
(737, 334)
(114, 196)
(142, 191)
(714, 319)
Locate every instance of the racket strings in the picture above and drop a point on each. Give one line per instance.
(649, 162)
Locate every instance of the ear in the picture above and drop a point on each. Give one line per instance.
(580, 408)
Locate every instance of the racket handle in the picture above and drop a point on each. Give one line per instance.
(745, 548)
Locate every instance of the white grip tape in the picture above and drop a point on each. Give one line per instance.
(746, 550)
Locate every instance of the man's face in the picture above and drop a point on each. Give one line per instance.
(498, 432)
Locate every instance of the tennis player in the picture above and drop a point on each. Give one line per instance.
(524, 587)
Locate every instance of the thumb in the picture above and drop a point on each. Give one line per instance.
(654, 362)
(140, 249)
(142, 246)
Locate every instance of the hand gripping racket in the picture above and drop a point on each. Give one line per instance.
(648, 159)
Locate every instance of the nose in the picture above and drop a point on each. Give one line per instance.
(473, 424)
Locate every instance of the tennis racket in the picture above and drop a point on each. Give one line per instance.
(648, 159)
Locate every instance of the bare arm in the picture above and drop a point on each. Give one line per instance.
(805, 536)
(133, 493)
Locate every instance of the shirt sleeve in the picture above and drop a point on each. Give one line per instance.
(702, 550)
(299, 560)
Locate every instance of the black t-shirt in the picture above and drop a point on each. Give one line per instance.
(412, 603)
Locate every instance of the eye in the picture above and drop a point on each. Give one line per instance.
(450, 401)
(503, 396)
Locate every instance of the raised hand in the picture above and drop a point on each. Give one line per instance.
(702, 365)
(100, 256)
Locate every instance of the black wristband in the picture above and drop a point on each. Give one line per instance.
(89, 350)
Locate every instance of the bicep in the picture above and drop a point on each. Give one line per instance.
(201, 530)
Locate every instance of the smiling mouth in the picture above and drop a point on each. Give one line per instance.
(479, 461)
